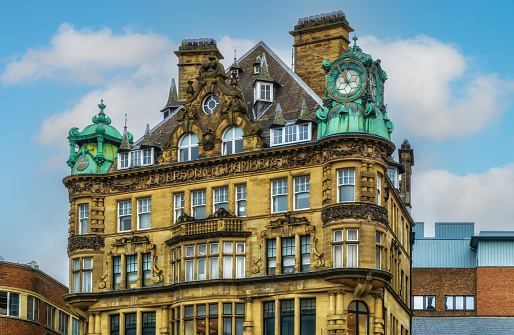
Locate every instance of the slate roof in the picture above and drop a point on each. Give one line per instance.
(290, 92)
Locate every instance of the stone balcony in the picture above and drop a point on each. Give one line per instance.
(221, 223)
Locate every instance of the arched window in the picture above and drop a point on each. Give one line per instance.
(358, 315)
(188, 148)
(233, 141)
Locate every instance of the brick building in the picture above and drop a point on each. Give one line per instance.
(265, 202)
(461, 283)
(31, 302)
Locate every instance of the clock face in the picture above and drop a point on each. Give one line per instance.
(346, 80)
(210, 104)
(376, 87)
(82, 163)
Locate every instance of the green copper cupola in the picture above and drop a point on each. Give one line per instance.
(354, 96)
(97, 145)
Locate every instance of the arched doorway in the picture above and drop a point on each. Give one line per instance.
(357, 321)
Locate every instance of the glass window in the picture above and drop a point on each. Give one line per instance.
(221, 198)
(291, 133)
(301, 193)
(277, 136)
(279, 196)
(379, 190)
(353, 234)
(83, 219)
(233, 141)
(32, 308)
(144, 207)
(148, 323)
(418, 302)
(136, 158)
(131, 270)
(429, 302)
(124, 160)
(288, 255)
(63, 322)
(124, 216)
(303, 132)
(305, 250)
(115, 324)
(346, 185)
(202, 269)
(75, 327)
(9, 303)
(357, 320)
(352, 255)
(470, 303)
(241, 200)
(147, 267)
(131, 324)
(269, 318)
(265, 92)
(179, 205)
(307, 316)
(188, 148)
(147, 156)
(198, 205)
(271, 256)
(287, 317)
(50, 317)
(378, 250)
(116, 271)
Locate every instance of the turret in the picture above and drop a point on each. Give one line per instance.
(406, 155)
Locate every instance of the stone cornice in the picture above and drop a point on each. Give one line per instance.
(271, 159)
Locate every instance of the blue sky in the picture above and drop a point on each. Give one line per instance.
(450, 92)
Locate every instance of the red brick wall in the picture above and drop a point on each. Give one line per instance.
(441, 282)
(495, 291)
(23, 277)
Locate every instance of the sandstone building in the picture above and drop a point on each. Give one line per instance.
(31, 302)
(265, 202)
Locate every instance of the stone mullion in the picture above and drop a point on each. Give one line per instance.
(73, 230)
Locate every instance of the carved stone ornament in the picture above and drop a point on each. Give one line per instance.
(363, 287)
(157, 276)
(319, 260)
(257, 262)
(289, 220)
(221, 213)
(185, 218)
(208, 140)
(368, 212)
(94, 242)
(309, 155)
(132, 239)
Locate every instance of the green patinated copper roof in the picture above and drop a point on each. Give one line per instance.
(101, 125)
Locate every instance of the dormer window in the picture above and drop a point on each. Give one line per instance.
(135, 158)
(256, 69)
(188, 148)
(291, 133)
(233, 141)
(392, 173)
(263, 91)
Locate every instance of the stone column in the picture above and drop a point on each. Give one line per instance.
(98, 323)
(379, 317)
(296, 315)
(139, 319)
(123, 283)
(165, 320)
(91, 323)
(139, 269)
(248, 323)
(298, 255)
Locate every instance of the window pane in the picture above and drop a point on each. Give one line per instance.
(287, 317)
(227, 267)
(418, 302)
(338, 256)
(459, 302)
(87, 284)
(214, 270)
(338, 235)
(202, 269)
(449, 303)
(353, 234)
(213, 309)
(228, 247)
(430, 302)
(214, 248)
(470, 302)
(352, 255)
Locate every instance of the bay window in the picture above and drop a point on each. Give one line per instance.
(83, 219)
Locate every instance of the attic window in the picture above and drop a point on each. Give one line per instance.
(263, 91)
(289, 134)
(135, 158)
(256, 69)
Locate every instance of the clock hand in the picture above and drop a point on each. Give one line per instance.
(344, 73)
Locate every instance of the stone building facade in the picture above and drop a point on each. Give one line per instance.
(259, 205)
(31, 302)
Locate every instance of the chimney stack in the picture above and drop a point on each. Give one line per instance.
(406, 156)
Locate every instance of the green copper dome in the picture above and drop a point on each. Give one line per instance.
(98, 145)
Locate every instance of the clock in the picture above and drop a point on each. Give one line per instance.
(346, 80)
(82, 163)
(210, 104)
(376, 86)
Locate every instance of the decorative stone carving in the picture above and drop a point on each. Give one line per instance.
(208, 140)
(368, 212)
(256, 262)
(221, 213)
(157, 276)
(319, 261)
(94, 242)
(319, 153)
(363, 287)
(289, 220)
(185, 218)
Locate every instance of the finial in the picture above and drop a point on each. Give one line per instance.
(125, 122)
(354, 38)
(102, 106)
(235, 57)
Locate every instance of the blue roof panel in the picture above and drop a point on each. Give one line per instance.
(443, 253)
(454, 229)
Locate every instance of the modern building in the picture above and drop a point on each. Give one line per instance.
(31, 302)
(462, 283)
(265, 202)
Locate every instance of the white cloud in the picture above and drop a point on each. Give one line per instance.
(227, 45)
(87, 56)
(486, 199)
(433, 92)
